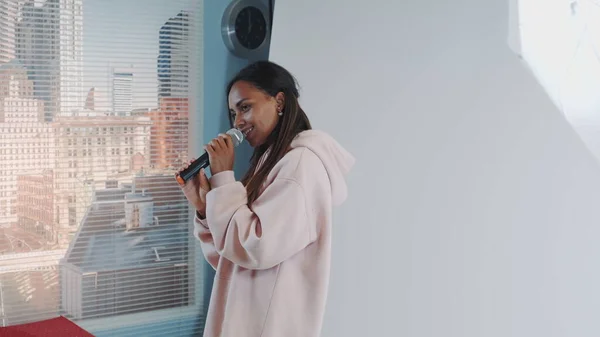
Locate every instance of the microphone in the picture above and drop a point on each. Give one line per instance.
(186, 174)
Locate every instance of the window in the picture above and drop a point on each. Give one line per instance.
(90, 226)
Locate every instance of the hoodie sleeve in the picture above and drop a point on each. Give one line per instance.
(280, 223)
(202, 233)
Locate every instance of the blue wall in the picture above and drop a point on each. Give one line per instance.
(219, 67)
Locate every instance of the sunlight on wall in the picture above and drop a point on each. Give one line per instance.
(560, 43)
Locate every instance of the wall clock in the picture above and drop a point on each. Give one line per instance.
(245, 28)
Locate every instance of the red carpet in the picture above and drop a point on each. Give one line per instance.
(55, 327)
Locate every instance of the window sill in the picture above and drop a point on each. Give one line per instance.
(97, 325)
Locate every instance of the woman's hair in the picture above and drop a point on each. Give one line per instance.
(271, 79)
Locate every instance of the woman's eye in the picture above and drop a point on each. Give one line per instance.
(245, 108)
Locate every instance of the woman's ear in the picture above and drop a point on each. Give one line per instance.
(280, 99)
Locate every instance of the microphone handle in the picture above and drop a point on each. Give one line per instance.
(193, 169)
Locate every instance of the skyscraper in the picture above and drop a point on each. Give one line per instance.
(173, 57)
(48, 39)
(169, 134)
(9, 10)
(122, 93)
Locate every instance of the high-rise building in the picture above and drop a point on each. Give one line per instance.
(173, 57)
(49, 36)
(25, 141)
(170, 121)
(122, 93)
(169, 133)
(9, 11)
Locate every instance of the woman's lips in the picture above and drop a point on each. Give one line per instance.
(248, 132)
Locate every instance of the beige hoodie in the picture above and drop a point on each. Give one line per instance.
(272, 260)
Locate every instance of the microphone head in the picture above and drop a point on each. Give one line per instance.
(236, 135)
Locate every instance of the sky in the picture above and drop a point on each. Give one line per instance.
(124, 33)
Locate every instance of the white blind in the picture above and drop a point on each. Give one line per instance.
(95, 102)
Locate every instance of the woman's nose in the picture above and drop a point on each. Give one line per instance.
(239, 121)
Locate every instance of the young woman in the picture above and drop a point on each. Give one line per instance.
(268, 236)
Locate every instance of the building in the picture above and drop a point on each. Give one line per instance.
(48, 39)
(169, 143)
(36, 206)
(131, 253)
(142, 111)
(25, 141)
(83, 151)
(90, 100)
(122, 93)
(98, 147)
(169, 133)
(173, 57)
(29, 286)
(90, 151)
(18, 104)
(9, 12)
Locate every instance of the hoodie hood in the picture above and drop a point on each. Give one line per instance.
(337, 161)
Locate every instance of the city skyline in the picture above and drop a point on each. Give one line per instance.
(102, 52)
(87, 153)
(32, 91)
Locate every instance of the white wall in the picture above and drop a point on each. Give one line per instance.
(483, 219)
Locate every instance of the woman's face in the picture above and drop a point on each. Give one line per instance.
(254, 112)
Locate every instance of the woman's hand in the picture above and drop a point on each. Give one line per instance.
(220, 154)
(195, 190)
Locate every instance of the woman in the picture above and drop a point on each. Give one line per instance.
(268, 236)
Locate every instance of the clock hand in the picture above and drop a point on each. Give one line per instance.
(249, 21)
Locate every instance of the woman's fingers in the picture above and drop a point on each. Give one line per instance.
(204, 184)
(210, 149)
(189, 163)
(227, 142)
(220, 143)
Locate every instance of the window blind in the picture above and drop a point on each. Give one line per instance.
(96, 98)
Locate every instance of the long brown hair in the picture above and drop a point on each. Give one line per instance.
(272, 79)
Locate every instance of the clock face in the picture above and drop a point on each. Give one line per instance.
(251, 27)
